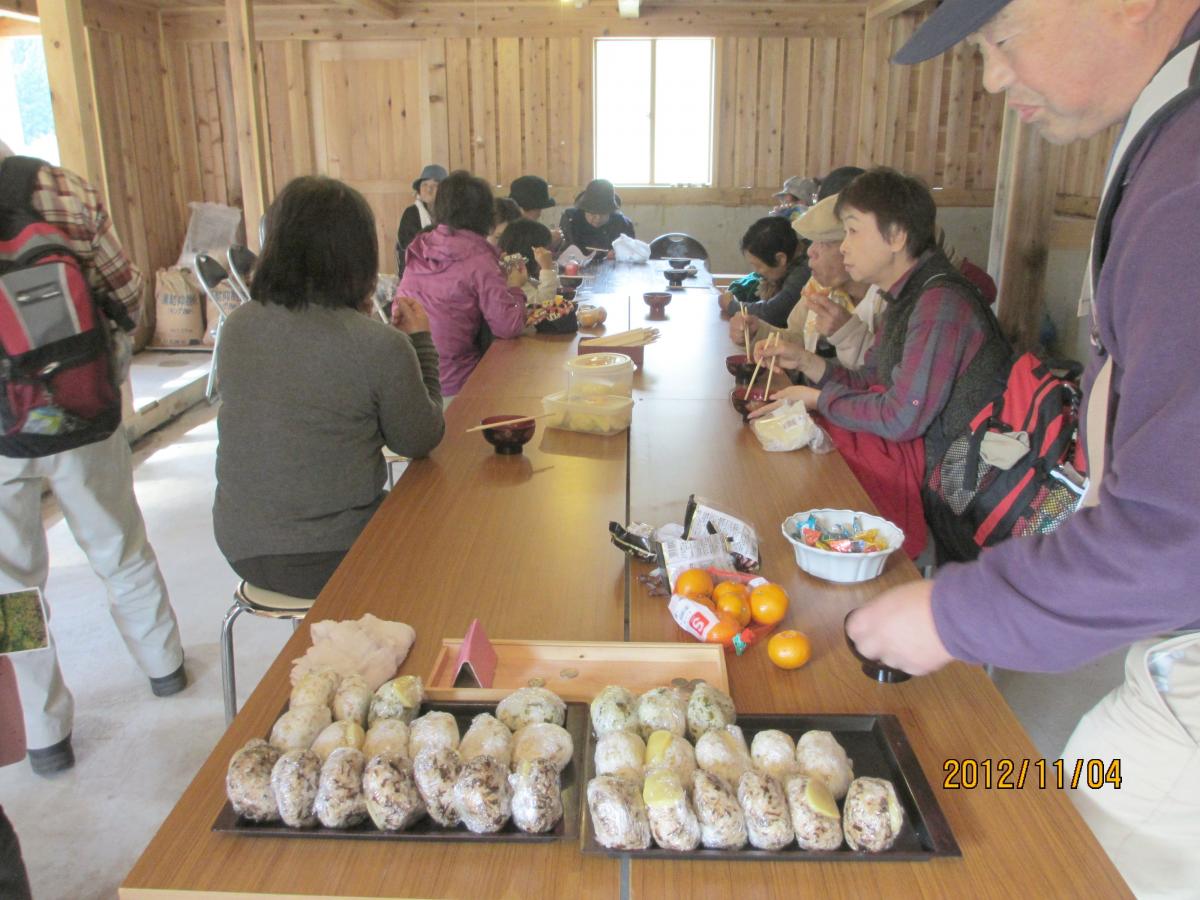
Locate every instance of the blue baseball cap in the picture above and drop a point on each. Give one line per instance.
(952, 21)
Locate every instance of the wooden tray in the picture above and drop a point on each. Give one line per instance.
(877, 746)
(638, 667)
(426, 829)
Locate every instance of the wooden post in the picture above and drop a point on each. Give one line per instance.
(247, 110)
(72, 93)
(1026, 187)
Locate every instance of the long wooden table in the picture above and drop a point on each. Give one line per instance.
(521, 543)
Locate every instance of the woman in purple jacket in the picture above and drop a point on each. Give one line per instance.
(454, 273)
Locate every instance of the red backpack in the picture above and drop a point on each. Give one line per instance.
(1039, 399)
(57, 387)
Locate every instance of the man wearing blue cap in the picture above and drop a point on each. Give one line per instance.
(1126, 568)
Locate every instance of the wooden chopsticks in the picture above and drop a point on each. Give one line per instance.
(638, 337)
(754, 377)
(507, 422)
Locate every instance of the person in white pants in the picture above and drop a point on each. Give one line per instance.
(94, 488)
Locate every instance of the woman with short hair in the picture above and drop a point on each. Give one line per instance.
(312, 390)
(455, 275)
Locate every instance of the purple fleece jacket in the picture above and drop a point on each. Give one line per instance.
(455, 275)
(1130, 567)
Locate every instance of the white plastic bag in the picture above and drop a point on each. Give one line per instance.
(631, 250)
(790, 427)
(211, 229)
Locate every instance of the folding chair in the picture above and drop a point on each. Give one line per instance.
(211, 273)
(241, 263)
(677, 244)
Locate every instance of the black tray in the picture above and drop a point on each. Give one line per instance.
(878, 747)
(426, 829)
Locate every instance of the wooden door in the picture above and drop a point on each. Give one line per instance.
(370, 116)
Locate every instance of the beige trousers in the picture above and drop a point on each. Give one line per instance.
(1150, 827)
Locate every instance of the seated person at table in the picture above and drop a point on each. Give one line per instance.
(505, 213)
(595, 221)
(797, 195)
(419, 216)
(532, 195)
(774, 252)
(312, 389)
(531, 241)
(830, 285)
(454, 273)
(934, 362)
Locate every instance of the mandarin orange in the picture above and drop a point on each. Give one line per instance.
(789, 649)
(694, 583)
(768, 604)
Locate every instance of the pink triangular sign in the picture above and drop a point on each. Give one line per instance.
(476, 663)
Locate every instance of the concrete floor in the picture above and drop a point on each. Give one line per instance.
(82, 830)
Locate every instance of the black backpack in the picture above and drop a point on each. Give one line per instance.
(57, 386)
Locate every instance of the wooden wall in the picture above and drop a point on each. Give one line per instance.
(135, 125)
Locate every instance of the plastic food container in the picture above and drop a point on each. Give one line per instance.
(597, 414)
(845, 568)
(600, 375)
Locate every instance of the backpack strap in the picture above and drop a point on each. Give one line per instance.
(18, 181)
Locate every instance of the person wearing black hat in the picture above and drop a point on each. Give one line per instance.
(595, 221)
(419, 216)
(532, 194)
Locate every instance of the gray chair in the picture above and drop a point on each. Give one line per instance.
(258, 602)
(210, 274)
(677, 244)
(241, 262)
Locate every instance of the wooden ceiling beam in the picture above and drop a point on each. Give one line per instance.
(886, 9)
(380, 9)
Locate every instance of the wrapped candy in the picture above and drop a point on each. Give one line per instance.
(852, 538)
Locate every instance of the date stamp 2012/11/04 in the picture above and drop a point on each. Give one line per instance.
(1013, 775)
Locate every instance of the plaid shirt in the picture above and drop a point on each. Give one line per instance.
(944, 334)
(71, 204)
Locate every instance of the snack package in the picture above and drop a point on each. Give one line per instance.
(677, 556)
(703, 518)
(636, 540)
(791, 428)
(699, 620)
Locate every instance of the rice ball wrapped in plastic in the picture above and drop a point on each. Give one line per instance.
(873, 816)
(436, 772)
(315, 688)
(722, 822)
(352, 700)
(816, 818)
(338, 734)
(724, 754)
(339, 802)
(662, 709)
(665, 750)
(614, 709)
(386, 736)
(294, 779)
(543, 740)
(528, 706)
(487, 736)
(622, 754)
(248, 782)
(399, 698)
(536, 796)
(431, 731)
(673, 824)
(390, 790)
(768, 820)
(618, 813)
(483, 796)
(708, 709)
(774, 752)
(818, 753)
(297, 728)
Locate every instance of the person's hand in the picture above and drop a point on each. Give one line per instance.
(724, 299)
(897, 629)
(796, 393)
(830, 316)
(517, 275)
(784, 355)
(409, 316)
(544, 258)
(612, 254)
(555, 236)
(740, 325)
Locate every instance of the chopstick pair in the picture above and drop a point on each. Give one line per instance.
(508, 422)
(638, 337)
(754, 377)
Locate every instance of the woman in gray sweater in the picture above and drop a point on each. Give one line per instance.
(312, 389)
